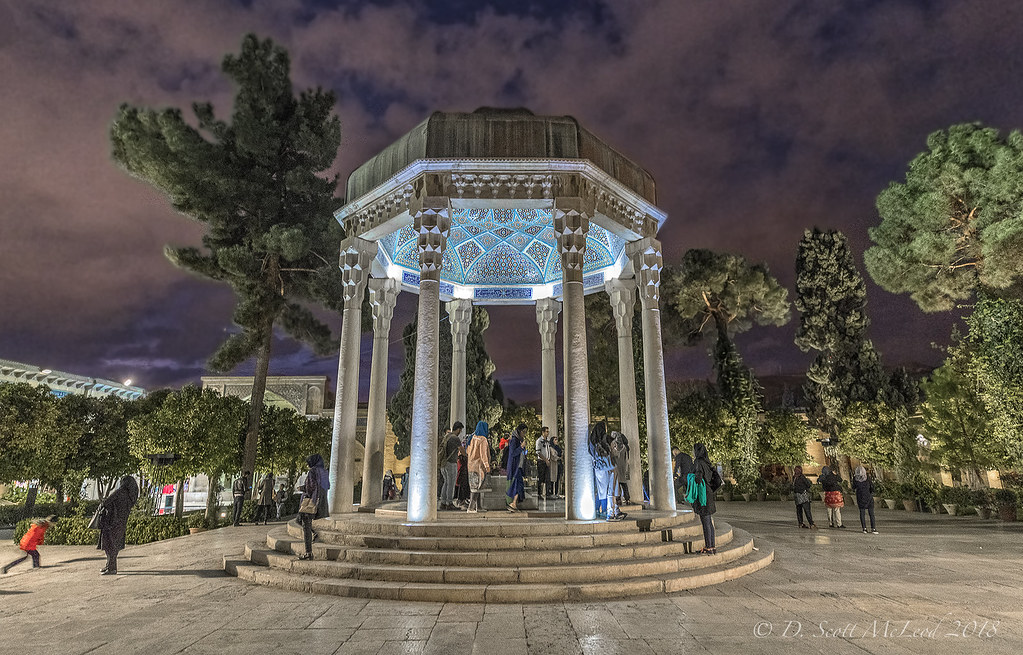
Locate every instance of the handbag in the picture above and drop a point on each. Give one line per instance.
(94, 523)
(802, 497)
(307, 506)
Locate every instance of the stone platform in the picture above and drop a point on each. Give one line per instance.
(498, 557)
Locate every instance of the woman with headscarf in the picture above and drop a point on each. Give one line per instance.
(801, 491)
(603, 471)
(864, 498)
(516, 456)
(315, 488)
(113, 521)
(620, 457)
(832, 486)
(389, 488)
(704, 473)
(462, 491)
(478, 465)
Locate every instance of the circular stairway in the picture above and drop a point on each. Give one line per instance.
(497, 557)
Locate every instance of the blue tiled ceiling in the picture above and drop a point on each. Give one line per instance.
(503, 246)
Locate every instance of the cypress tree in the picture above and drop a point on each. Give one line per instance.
(256, 183)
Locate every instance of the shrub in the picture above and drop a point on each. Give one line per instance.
(142, 529)
(12, 514)
(1006, 497)
(956, 496)
(980, 498)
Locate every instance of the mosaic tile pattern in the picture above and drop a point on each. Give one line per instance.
(506, 293)
(502, 247)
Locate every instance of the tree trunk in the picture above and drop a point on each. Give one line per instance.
(179, 499)
(211, 496)
(30, 501)
(58, 489)
(256, 400)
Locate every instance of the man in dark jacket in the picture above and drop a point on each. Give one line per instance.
(451, 444)
(239, 490)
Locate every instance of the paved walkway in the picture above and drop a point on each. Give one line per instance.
(926, 584)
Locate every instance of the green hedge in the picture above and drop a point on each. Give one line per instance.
(142, 529)
(12, 514)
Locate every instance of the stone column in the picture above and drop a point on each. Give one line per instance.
(646, 258)
(623, 304)
(432, 221)
(356, 256)
(547, 310)
(571, 222)
(460, 316)
(383, 293)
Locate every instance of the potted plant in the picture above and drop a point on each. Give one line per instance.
(907, 494)
(1005, 500)
(761, 486)
(784, 488)
(954, 498)
(727, 489)
(197, 522)
(981, 501)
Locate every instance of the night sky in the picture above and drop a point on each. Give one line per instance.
(757, 119)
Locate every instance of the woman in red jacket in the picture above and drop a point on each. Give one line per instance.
(29, 543)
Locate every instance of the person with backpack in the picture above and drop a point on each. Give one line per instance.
(30, 543)
(704, 481)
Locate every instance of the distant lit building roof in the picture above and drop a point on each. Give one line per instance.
(62, 384)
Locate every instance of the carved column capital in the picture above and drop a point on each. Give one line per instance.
(547, 310)
(623, 303)
(432, 222)
(356, 256)
(383, 294)
(460, 317)
(571, 223)
(646, 259)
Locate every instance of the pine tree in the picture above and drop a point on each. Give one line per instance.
(722, 295)
(255, 182)
(956, 224)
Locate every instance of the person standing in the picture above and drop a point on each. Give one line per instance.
(30, 543)
(462, 492)
(558, 467)
(264, 499)
(280, 498)
(450, 445)
(832, 486)
(603, 472)
(864, 498)
(389, 489)
(706, 475)
(478, 464)
(620, 458)
(801, 491)
(315, 488)
(544, 486)
(113, 521)
(516, 456)
(239, 490)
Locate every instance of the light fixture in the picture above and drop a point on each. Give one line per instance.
(127, 382)
(46, 371)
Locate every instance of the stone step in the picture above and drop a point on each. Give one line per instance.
(496, 524)
(480, 572)
(708, 570)
(282, 542)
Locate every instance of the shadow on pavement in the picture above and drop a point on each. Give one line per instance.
(200, 573)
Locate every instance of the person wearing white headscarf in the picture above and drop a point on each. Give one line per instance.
(864, 498)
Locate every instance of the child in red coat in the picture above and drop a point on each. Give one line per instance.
(32, 539)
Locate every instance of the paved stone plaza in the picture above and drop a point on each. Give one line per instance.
(939, 574)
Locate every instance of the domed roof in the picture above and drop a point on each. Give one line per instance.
(498, 133)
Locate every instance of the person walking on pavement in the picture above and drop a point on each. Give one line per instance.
(239, 490)
(450, 445)
(30, 543)
(801, 491)
(113, 521)
(832, 486)
(264, 499)
(280, 498)
(315, 488)
(864, 498)
(517, 453)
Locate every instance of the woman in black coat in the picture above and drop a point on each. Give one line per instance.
(113, 521)
(801, 486)
(315, 488)
(704, 471)
(864, 498)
